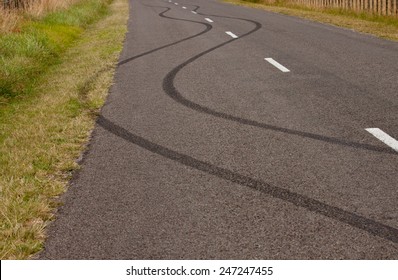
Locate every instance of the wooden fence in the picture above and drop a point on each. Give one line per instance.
(380, 7)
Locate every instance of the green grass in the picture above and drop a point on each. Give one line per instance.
(62, 69)
(381, 26)
(27, 54)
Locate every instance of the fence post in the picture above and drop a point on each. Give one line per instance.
(388, 7)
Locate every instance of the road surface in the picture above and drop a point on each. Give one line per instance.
(235, 133)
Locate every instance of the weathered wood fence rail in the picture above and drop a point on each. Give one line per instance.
(380, 7)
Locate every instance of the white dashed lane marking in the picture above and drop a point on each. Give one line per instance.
(277, 65)
(384, 137)
(231, 34)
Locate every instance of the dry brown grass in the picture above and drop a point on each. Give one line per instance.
(8, 20)
(40, 7)
(11, 18)
(42, 135)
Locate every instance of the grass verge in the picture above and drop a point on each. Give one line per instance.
(43, 133)
(381, 26)
(14, 12)
(27, 53)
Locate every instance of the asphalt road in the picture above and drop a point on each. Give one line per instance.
(206, 150)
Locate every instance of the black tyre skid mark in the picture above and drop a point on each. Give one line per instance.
(373, 227)
(168, 86)
(208, 28)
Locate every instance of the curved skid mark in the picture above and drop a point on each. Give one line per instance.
(173, 93)
(373, 227)
(171, 90)
(208, 28)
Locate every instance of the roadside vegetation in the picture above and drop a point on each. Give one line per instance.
(13, 12)
(384, 26)
(37, 38)
(56, 67)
